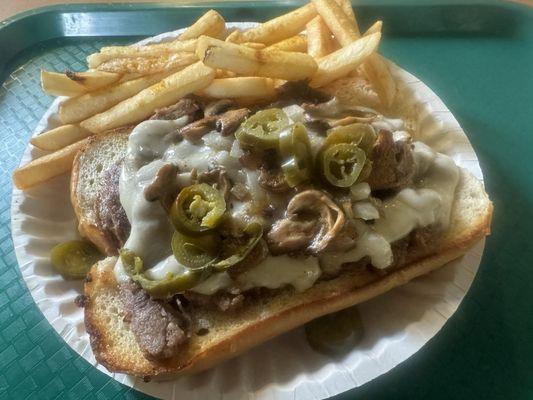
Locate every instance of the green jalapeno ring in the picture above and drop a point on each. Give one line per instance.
(335, 334)
(162, 288)
(198, 208)
(342, 164)
(195, 252)
(254, 231)
(262, 129)
(362, 135)
(295, 147)
(74, 259)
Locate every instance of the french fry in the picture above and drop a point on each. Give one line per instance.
(222, 73)
(376, 27)
(346, 7)
(253, 45)
(277, 29)
(296, 43)
(82, 107)
(344, 60)
(379, 75)
(235, 37)
(337, 21)
(246, 61)
(240, 87)
(191, 79)
(59, 137)
(148, 65)
(75, 83)
(47, 167)
(320, 42)
(210, 24)
(151, 50)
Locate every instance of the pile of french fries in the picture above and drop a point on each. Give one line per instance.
(319, 42)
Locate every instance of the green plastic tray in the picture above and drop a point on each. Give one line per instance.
(478, 57)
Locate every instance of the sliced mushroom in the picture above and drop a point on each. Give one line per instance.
(272, 180)
(163, 182)
(217, 177)
(218, 107)
(185, 106)
(228, 122)
(313, 221)
(196, 130)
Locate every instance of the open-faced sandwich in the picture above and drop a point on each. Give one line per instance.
(245, 188)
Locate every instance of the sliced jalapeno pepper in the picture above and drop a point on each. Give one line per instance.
(337, 333)
(295, 148)
(362, 135)
(262, 129)
(197, 208)
(342, 164)
(235, 250)
(162, 288)
(195, 251)
(74, 259)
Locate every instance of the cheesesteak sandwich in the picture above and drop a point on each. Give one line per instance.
(227, 225)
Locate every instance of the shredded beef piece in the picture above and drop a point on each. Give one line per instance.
(392, 163)
(221, 301)
(272, 180)
(197, 129)
(163, 182)
(240, 192)
(158, 329)
(110, 215)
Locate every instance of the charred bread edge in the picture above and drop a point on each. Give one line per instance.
(86, 228)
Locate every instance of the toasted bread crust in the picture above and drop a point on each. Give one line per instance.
(323, 298)
(86, 227)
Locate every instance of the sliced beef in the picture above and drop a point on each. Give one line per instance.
(110, 215)
(392, 163)
(220, 301)
(158, 328)
(185, 106)
(226, 123)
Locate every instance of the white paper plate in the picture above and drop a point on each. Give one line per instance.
(397, 324)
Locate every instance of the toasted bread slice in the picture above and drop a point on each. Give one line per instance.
(114, 344)
(87, 182)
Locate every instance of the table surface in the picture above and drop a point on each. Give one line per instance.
(9, 8)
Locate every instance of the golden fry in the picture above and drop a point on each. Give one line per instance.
(246, 61)
(47, 167)
(376, 27)
(82, 107)
(253, 45)
(135, 51)
(344, 60)
(191, 79)
(59, 137)
(148, 65)
(347, 8)
(210, 24)
(379, 75)
(337, 21)
(320, 42)
(277, 29)
(240, 87)
(75, 83)
(296, 43)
